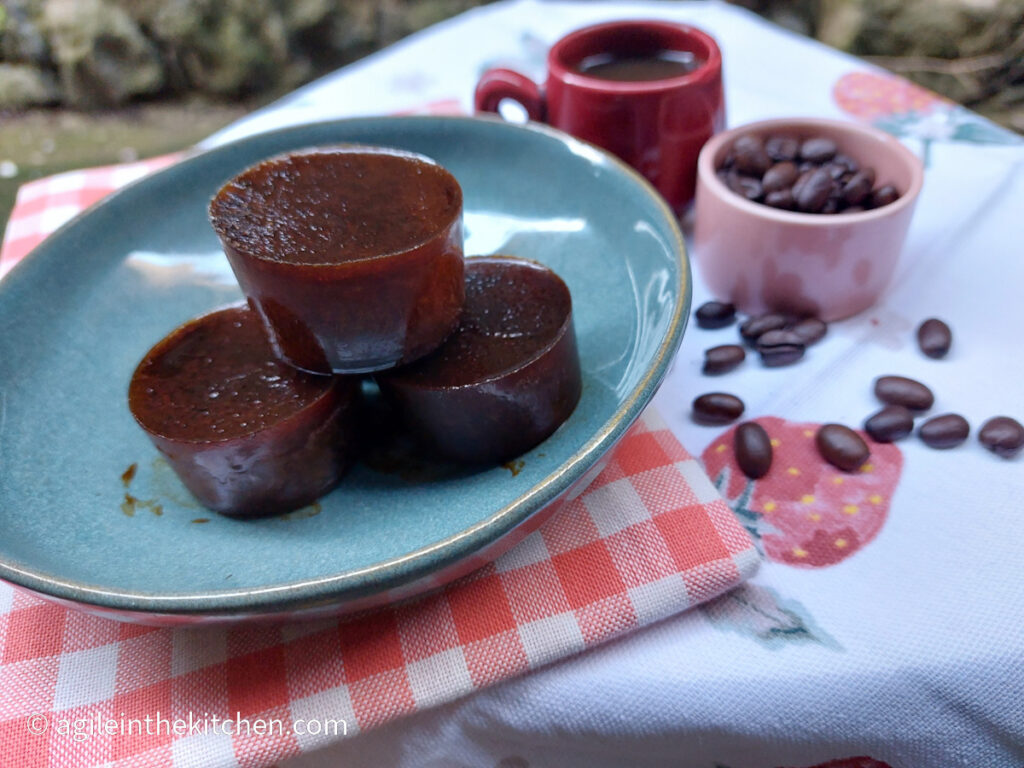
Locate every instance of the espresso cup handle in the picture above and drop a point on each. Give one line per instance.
(498, 84)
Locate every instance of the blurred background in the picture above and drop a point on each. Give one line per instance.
(90, 82)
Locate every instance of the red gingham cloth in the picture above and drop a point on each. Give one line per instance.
(649, 538)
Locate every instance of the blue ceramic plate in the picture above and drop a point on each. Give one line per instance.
(78, 315)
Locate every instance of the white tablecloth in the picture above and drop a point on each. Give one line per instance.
(910, 649)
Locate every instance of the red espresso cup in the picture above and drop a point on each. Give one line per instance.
(657, 125)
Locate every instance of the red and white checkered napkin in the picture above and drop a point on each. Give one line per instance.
(44, 205)
(649, 538)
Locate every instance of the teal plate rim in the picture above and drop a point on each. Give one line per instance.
(346, 586)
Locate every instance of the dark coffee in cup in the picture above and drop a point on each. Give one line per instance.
(647, 91)
(639, 66)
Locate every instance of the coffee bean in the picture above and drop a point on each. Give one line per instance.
(851, 165)
(781, 148)
(753, 449)
(753, 327)
(715, 314)
(894, 422)
(811, 196)
(716, 408)
(835, 171)
(745, 186)
(751, 158)
(810, 330)
(899, 390)
(1003, 436)
(779, 347)
(723, 359)
(841, 447)
(802, 179)
(946, 431)
(934, 338)
(779, 176)
(780, 198)
(778, 337)
(884, 196)
(772, 160)
(783, 354)
(858, 187)
(832, 204)
(818, 149)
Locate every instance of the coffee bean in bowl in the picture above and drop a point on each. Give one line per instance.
(765, 248)
(822, 182)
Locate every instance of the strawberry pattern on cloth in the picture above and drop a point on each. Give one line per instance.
(805, 512)
(907, 110)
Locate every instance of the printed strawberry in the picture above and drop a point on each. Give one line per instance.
(871, 95)
(805, 512)
(901, 108)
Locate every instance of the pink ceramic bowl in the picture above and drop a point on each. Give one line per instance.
(829, 265)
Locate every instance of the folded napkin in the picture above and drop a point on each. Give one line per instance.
(649, 538)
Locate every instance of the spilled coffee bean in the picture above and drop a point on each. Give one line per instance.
(717, 408)
(810, 330)
(754, 327)
(934, 338)
(899, 390)
(946, 431)
(894, 422)
(781, 356)
(1002, 435)
(841, 447)
(723, 359)
(779, 347)
(715, 314)
(753, 449)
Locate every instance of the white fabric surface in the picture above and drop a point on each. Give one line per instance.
(912, 650)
